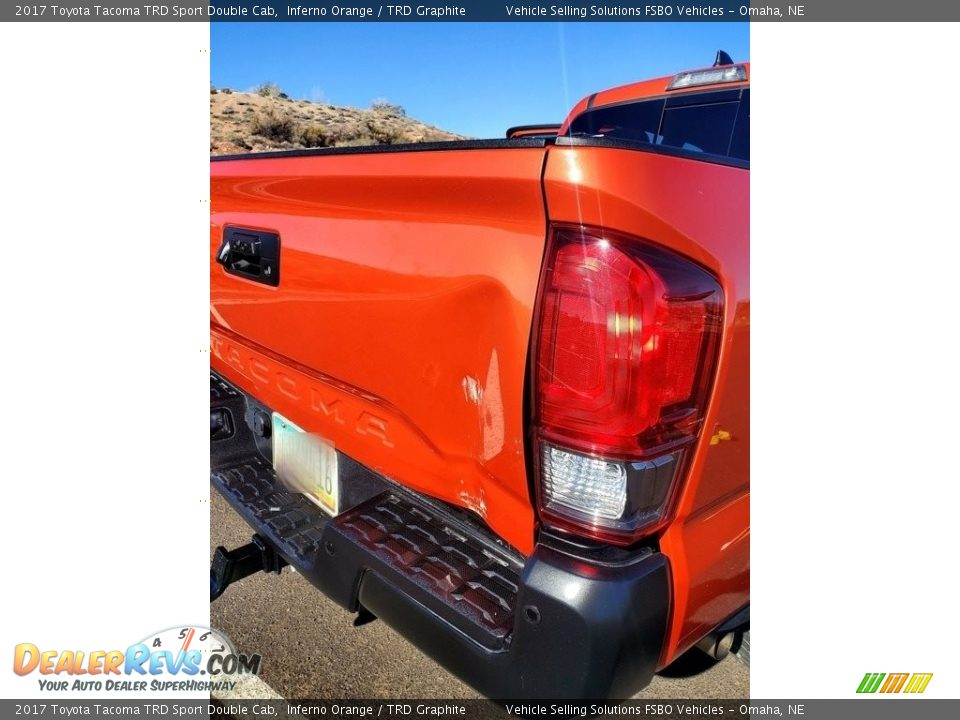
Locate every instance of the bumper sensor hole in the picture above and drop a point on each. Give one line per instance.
(532, 614)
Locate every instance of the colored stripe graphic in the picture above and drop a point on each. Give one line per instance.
(870, 682)
(895, 682)
(918, 682)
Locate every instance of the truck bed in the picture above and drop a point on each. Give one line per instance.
(400, 330)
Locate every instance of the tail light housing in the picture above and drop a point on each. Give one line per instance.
(625, 351)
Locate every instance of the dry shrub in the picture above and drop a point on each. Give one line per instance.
(273, 126)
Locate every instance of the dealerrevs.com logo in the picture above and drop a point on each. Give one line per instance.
(910, 683)
(182, 659)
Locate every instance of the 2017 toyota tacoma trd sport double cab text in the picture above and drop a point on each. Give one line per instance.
(495, 393)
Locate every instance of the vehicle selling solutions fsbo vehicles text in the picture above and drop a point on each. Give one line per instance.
(613, 11)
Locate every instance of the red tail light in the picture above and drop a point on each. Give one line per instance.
(627, 342)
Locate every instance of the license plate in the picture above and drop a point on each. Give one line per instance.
(306, 463)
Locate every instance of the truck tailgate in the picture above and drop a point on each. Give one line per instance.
(400, 325)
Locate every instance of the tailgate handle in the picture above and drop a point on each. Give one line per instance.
(251, 254)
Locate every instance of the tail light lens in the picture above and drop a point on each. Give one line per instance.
(625, 351)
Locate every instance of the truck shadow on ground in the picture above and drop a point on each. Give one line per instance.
(693, 662)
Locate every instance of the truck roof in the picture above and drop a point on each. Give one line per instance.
(646, 89)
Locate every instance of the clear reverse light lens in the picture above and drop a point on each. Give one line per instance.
(586, 484)
(731, 73)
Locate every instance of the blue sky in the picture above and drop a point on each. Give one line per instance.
(472, 78)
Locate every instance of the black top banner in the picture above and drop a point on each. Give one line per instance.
(484, 11)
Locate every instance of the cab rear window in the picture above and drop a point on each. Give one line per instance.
(716, 123)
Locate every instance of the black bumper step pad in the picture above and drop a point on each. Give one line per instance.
(430, 550)
(414, 546)
(290, 521)
(221, 390)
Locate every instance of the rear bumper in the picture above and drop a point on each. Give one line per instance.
(552, 625)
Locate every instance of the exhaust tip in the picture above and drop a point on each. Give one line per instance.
(717, 646)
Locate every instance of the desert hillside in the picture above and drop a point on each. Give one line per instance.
(269, 120)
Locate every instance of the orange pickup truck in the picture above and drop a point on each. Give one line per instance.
(496, 393)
